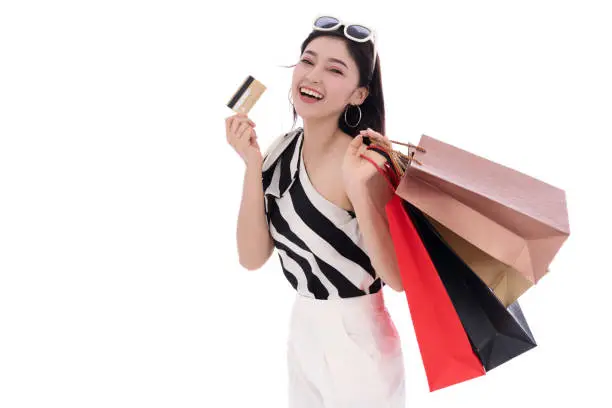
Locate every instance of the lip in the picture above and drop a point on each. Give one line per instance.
(308, 101)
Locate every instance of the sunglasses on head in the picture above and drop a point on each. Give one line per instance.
(352, 31)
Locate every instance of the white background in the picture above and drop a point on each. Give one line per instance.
(119, 279)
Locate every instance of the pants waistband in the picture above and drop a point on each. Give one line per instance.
(371, 301)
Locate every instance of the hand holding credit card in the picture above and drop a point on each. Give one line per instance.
(239, 128)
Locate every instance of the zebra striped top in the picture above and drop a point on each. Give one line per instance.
(320, 246)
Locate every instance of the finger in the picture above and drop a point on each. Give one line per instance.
(381, 141)
(246, 133)
(240, 124)
(376, 136)
(236, 135)
(228, 122)
(242, 140)
(235, 124)
(243, 115)
(376, 156)
(378, 139)
(370, 130)
(366, 133)
(253, 141)
(242, 118)
(240, 132)
(363, 149)
(353, 147)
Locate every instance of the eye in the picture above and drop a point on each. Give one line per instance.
(337, 71)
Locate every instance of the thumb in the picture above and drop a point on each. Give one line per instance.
(353, 147)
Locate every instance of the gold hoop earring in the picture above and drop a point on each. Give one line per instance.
(345, 121)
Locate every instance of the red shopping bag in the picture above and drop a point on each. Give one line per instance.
(445, 349)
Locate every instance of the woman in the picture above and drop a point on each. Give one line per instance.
(320, 203)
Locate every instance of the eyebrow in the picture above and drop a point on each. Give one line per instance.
(329, 59)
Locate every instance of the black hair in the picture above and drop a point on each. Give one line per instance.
(373, 107)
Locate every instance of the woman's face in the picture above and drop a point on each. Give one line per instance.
(326, 67)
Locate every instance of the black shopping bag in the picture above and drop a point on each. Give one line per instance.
(497, 333)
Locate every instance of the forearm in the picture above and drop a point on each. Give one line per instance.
(369, 204)
(253, 236)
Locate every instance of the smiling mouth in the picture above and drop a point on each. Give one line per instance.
(310, 95)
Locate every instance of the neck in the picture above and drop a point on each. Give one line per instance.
(319, 135)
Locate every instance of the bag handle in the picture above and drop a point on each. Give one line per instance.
(387, 173)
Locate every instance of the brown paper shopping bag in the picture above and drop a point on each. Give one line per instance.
(518, 221)
(507, 283)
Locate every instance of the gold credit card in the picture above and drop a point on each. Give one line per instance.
(246, 96)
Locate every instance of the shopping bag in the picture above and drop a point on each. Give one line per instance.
(506, 282)
(446, 351)
(497, 334)
(516, 219)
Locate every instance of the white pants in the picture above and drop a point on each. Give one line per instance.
(344, 353)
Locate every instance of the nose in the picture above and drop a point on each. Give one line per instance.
(313, 75)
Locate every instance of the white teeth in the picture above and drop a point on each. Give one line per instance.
(312, 93)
